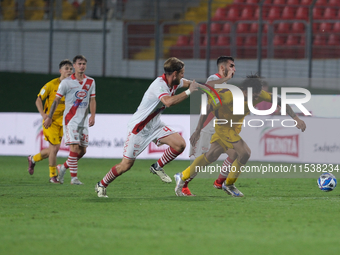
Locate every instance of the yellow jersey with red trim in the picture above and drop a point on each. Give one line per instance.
(225, 111)
(48, 93)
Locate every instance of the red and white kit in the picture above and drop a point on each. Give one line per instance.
(203, 143)
(145, 125)
(77, 99)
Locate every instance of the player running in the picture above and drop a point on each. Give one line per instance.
(226, 137)
(145, 125)
(55, 133)
(79, 91)
(226, 70)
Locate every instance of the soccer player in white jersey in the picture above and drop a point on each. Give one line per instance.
(79, 91)
(145, 125)
(200, 139)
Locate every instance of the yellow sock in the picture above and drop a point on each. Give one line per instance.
(190, 171)
(53, 171)
(37, 157)
(235, 172)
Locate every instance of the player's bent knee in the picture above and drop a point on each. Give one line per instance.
(244, 157)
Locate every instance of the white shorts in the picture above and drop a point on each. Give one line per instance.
(203, 144)
(76, 135)
(135, 144)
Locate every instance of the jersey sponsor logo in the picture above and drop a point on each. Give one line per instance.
(81, 94)
(80, 104)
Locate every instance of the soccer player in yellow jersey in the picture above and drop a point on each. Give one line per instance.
(226, 137)
(53, 134)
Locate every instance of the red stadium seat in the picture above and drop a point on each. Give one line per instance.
(336, 27)
(279, 2)
(303, 40)
(298, 27)
(203, 28)
(321, 2)
(293, 2)
(283, 28)
(278, 40)
(250, 40)
(319, 49)
(330, 13)
(247, 13)
(302, 13)
(215, 28)
(226, 28)
(274, 13)
(242, 28)
(306, 2)
(254, 27)
(252, 1)
(320, 40)
(250, 50)
(288, 13)
(213, 40)
(182, 40)
(294, 47)
(318, 13)
(316, 27)
(233, 13)
(220, 14)
(239, 1)
(326, 27)
(334, 40)
(223, 40)
(191, 40)
(239, 40)
(292, 40)
(334, 3)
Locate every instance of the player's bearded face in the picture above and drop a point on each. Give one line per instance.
(229, 67)
(178, 77)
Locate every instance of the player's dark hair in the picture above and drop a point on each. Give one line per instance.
(224, 59)
(65, 62)
(80, 57)
(173, 64)
(254, 81)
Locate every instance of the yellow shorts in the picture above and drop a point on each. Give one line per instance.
(53, 134)
(226, 137)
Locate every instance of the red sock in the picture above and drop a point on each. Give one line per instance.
(187, 182)
(110, 176)
(72, 163)
(169, 155)
(225, 170)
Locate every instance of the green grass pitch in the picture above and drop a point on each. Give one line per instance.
(143, 216)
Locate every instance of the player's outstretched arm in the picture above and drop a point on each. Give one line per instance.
(93, 107)
(222, 80)
(169, 101)
(197, 133)
(48, 120)
(300, 124)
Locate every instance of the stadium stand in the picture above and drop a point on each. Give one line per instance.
(288, 34)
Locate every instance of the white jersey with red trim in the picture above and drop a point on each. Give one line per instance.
(77, 99)
(203, 143)
(147, 116)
